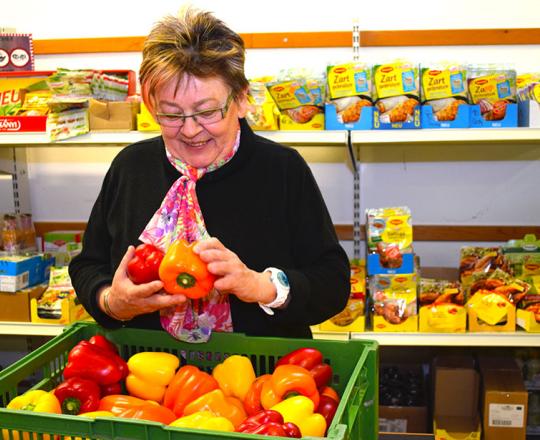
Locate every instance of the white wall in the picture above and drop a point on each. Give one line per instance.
(467, 190)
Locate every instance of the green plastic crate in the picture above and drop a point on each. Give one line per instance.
(355, 366)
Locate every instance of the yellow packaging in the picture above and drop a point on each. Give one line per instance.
(389, 225)
(443, 318)
(145, 120)
(352, 318)
(264, 113)
(287, 123)
(527, 321)
(394, 302)
(290, 94)
(491, 312)
(396, 79)
(71, 311)
(443, 81)
(350, 79)
(489, 87)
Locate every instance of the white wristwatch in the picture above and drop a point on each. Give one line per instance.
(281, 282)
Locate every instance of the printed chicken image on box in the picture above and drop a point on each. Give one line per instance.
(442, 306)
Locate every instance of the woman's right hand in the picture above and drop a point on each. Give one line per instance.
(127, 300)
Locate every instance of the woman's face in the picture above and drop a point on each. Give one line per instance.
(200, 143)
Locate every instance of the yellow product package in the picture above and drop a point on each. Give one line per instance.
(444, 88)
(396, 91)
(390, 225)
(441, 306)
(263, 114)
(492, 88)
(295, 99)
(349, 90)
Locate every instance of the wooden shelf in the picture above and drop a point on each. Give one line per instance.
(299, 138)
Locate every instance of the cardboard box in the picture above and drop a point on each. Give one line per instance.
(365, 122)
(478, 325)
(527, 321)
(504, 405)
(71, 311)
(455, 402)
(429, 121)
(403, 419)
(19, 272)
(15, 306)
(509, 120)
(316, 123)
(415, 123)
(114, 115)
(374, 266)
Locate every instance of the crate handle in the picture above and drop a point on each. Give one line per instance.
(358, 393)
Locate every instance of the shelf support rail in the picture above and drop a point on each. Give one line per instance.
(354, 157)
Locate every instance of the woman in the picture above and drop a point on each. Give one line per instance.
(252, 205)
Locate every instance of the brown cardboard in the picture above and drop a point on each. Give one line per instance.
(15, 306)
(440, 273)
(504, 406)
(456, 384)
(497, 363)
(121, 115)
(403, 419)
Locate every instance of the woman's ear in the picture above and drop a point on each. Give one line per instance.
(242, 103)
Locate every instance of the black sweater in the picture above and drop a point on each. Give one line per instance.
(264, 205)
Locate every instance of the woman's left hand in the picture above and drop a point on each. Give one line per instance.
(233, 275)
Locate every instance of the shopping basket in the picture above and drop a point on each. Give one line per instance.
(355, 366)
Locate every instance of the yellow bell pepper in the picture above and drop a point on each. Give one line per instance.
(150, 373)
(221, 405)
(300, 411)
(37, 401)
(33, 400)
(235, 376)
(204, 420)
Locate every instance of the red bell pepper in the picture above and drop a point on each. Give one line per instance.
(252, 400)
(312, 360)
(77, 395)
(102, 342)
(271, 423)
(90, 361)
(144, 266)
(327, 408)
(183, 272)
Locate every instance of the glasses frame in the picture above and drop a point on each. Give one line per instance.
(182, 118)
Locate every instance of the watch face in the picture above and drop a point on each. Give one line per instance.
(282, 278)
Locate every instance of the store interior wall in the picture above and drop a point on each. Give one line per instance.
(454, 184)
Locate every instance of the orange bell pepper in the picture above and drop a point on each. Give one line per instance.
(229, 407)
(188, 384)
(134, 408)
(235, 375)
(183, 272)
(149, 374)
(285, 380)
(252, 400)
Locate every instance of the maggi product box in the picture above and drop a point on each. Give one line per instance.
(350, 103)
(352, 318)
(394, 303)
(442, 306)
(396, 95)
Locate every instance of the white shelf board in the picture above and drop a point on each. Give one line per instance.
(314, 138)
(30, 329)
(516, 339)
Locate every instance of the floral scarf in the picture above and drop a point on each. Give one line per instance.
(180, 217)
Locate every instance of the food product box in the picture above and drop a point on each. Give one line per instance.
(396, 91)
(62, 245)
(350, 104)
(263, 114)
(375, 265)
(18, 272)
(365, 121)
(491, 313)
(71, 311)
(504, 405)
(509, 120)
(145, 120)
(529, 114)
(394, 303)
(462, 119)
(352, 318)
(315, 123)
(355, 379)
(442, 307)
(455, 402)
(113, 115)
(528, 320)
(15, 306)
(403, 403)
(11, 100)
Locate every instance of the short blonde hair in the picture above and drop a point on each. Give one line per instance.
(195, 44)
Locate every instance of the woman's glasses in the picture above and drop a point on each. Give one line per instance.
(204, 117)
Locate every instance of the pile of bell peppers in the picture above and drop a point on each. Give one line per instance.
(180, 269)
(295, 400)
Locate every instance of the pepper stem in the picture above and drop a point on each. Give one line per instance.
(185, 280)
(71, 405)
